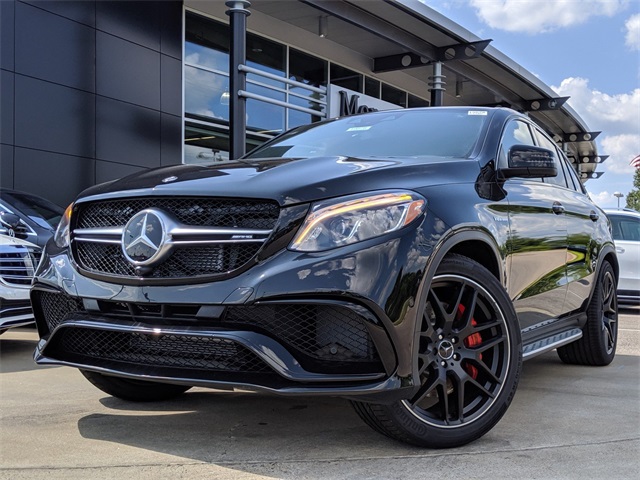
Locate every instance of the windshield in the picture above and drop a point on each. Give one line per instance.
(41, 211)
(400, 133)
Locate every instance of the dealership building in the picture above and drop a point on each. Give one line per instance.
(95, 90)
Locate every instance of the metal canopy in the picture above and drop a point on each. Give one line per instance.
(387, 31)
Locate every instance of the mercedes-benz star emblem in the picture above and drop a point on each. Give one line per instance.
(445, 350)
(143, 237)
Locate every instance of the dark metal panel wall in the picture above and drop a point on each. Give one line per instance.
(171, 137)
(6, 113)
(6, 168)
(91, 91)
(54, 118)
(53, 48)
(127, 71)
(50, 174)
(7, 16)
(127, 133)
(80, 11)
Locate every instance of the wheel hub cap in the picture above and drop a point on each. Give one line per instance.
(445, 350)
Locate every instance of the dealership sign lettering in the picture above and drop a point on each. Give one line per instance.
(343, 101)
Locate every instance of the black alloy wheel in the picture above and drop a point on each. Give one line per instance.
(600, 335)
(468, 357)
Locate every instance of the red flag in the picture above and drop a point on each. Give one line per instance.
(635, 163)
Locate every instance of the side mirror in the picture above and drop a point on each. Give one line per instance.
(530, 162)
(9, 223)
(9, 219)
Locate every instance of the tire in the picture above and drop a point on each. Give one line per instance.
(469, 360)
(134, 390)
(600, 334)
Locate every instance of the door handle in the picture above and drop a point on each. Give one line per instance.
(593, 216)
(619, 250)
(557, 208)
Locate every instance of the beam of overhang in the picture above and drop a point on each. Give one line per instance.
(375, 25)
(402, 61)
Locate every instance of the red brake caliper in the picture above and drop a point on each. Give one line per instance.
(473, 340)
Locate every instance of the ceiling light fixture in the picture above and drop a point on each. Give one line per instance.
(323, 24)
(458, 88)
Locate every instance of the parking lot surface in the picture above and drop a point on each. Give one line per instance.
(565, 422)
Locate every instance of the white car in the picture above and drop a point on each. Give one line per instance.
(626, 235)
(18, 262)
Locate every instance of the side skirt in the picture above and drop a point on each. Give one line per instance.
(544, 345)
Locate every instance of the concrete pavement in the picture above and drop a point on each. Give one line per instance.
(565, 422)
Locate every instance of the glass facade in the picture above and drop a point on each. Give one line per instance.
(287, 88)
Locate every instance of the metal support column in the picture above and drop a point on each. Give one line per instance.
(238, 14)
(437, 85)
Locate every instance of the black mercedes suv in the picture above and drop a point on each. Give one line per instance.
(405, 260)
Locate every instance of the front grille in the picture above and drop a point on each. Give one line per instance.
(187, 260)
(219, 212)
(57, 307)
(18, 264)
(169, 350)
(184, 262)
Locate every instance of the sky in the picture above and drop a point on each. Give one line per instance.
(586, 49)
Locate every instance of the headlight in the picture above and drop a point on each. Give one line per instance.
(61, 237)
(347, 220)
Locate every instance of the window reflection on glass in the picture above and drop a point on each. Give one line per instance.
(205, 57)
(312, 71)
(210, 144)
(297, 118)
(346, 78)
(311, 100)
(265, 117)
(206, 93)
(203, 145)
(394, 95)
(371, 87)
(305, 68)
(267, 56)
(306, 98)
(415, 102)
(206, 33)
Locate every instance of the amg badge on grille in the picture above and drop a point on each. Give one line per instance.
(144, 237)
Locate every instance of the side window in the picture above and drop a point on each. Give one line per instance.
(515, 133)
(625, 228)
(544, 142)
(565, 168)
(573, 175)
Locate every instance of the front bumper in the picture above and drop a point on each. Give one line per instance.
(341, 323)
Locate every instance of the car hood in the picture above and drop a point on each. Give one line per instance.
(289, 181)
